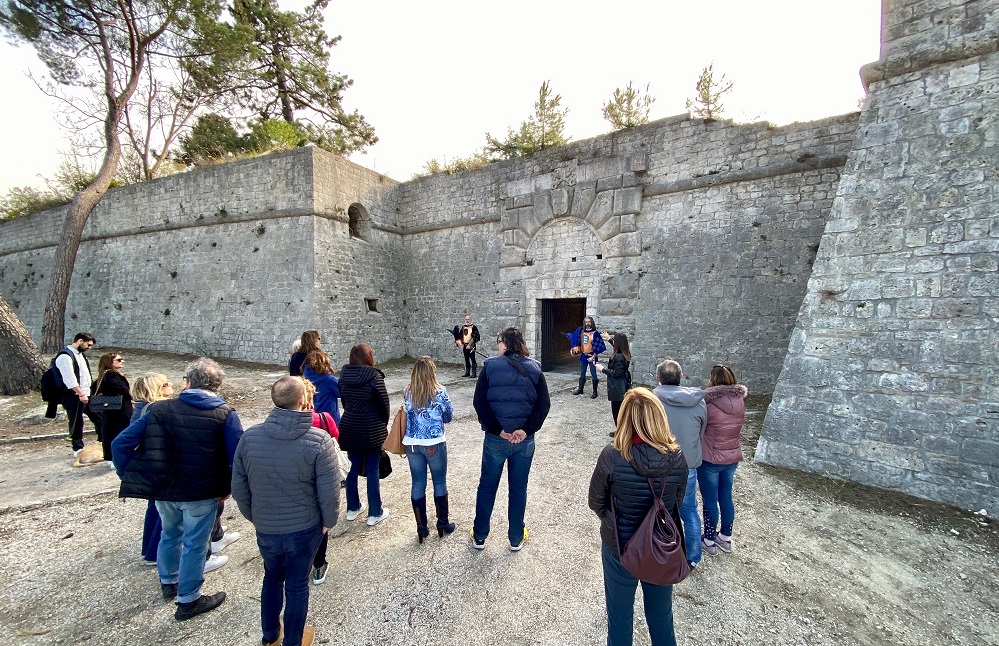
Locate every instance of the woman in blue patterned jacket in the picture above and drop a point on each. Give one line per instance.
(427, 410)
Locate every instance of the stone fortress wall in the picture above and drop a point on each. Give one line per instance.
(892, 373)
(696, 238)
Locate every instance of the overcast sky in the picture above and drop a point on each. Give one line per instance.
(434, 77)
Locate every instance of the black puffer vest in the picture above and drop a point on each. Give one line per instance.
(182, 457)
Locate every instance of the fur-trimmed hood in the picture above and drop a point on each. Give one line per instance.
(714, 392)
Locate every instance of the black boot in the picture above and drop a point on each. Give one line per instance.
(475, 372)
(443, 525)
(594, 395)
(420, 511)
(579, 391)
(466, 373)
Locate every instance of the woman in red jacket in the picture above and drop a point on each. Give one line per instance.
(721, 450)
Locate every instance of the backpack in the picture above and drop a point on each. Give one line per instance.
(51, 384)
(655, 553)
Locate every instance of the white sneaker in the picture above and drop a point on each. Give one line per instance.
(373, 520)
(215, 562)
(352, 515)
(227, 540)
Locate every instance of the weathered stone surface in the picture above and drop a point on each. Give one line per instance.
(912, 220)
(895, 335)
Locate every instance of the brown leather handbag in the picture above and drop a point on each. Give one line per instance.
(655, 553)
(393, 441)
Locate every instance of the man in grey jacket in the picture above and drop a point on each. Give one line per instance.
(286, 481)
(688, 417)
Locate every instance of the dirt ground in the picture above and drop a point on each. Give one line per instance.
(816, 561)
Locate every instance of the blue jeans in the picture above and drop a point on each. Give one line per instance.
(593, 370)
(691, 519)
(619, 592)
(421, 457)
(496, 451)
(184, 544)
(370, 460)
(715, 481)
(287, 564)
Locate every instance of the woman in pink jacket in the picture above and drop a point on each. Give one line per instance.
(721, 450)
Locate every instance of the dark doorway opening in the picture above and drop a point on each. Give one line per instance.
(560, 315)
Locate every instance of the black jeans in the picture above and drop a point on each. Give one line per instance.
(74, 412)
(470, 363)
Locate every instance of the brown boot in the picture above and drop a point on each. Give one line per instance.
(308, 635)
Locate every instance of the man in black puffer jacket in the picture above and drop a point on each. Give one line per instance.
(286, 482)
(511, 400)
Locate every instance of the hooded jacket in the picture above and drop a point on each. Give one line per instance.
(364, 421)
(628, 484)
(687, 417)
(285, 476)
(726, 408)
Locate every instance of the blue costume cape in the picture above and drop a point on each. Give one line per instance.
(598, 343)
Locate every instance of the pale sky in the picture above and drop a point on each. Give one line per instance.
(433, 78)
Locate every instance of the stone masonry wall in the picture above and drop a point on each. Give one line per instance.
(223, 261)
(695, 238)
(891, 373)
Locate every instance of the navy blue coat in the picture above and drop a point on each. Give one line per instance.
(508, 398)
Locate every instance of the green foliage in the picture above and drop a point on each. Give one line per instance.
(289, 76)
(544, 129)
(628, 107)
(70, 178)
(457, 165)
(268, 135)
(212, 137)
(25, 200)
(707, 103)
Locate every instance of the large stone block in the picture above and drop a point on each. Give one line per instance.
(627, 200)
(601, 210)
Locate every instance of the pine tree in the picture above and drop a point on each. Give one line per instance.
(707, 104)
(628, 107)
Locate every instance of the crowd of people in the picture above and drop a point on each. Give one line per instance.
(187, 455)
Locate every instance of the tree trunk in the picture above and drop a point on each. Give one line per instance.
(20, 364)
(83, 204)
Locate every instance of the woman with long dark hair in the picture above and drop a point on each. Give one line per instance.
(363, 428)
(643, 449)
(111, 382)
(721, 452)
(618, 372)
(309, 343)
(428, 409)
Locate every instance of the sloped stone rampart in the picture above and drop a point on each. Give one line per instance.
(891, 374)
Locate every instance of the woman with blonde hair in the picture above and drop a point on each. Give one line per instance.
(111, 382)
(644, 449)
(428, 409)
(150, 387)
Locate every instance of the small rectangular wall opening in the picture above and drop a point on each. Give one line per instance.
(371, 304)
